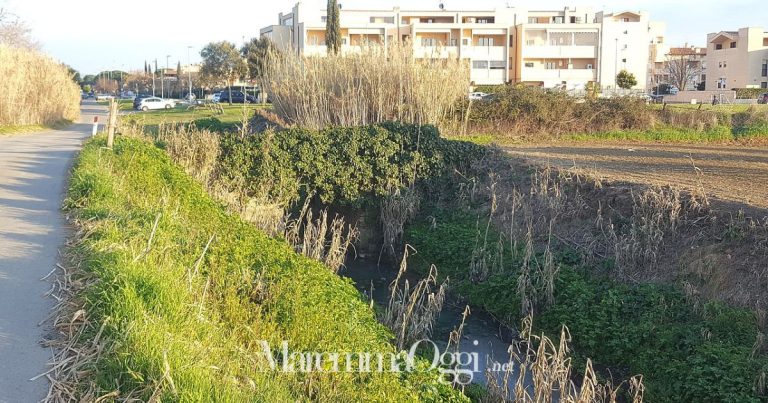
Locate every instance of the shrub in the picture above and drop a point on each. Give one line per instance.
(749, 93)
(339, 164)
(36, 90)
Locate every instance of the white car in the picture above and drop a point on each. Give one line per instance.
(477, 96)
(104, 97)
(151, 103)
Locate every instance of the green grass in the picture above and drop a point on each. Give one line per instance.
(12, 129)
(205, 328)
(233, 115)
(659, 135)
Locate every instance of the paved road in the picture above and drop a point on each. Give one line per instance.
(33, 170)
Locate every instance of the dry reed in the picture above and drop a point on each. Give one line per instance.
(374, 85)
(412, 312)
(544, 374)
(35, 89)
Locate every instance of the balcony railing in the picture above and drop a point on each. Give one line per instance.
(551, 51)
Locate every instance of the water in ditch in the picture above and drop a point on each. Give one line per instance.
(482, 334)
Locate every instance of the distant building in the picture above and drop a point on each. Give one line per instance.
(695, 59)
(737, 59)
(566, 48)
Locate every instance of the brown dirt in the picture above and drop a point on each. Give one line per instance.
(737, 174)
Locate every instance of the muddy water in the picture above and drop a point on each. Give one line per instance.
(482, 335)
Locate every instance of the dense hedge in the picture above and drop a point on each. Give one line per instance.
(749, 93)
(163, 316)
(684, 354)
(347, 165)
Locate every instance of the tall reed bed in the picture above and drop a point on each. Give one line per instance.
(35, 89)
(380, 83)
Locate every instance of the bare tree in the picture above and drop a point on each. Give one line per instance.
(14, 32)
(682, 70)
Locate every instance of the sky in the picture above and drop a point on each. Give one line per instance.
(95, 35)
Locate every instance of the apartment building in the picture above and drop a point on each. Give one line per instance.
(737, 59)
(667, 69)
(565, 48)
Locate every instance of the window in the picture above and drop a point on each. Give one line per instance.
(558, 20)
(625, 19)
(465, 41)
(480, 64)
(288, 22)
(733, 45)
(719, 46)
(623, 60)
(764, 84)
(453, 42)
(532, 20)
(343, 41)
(382, 20)
(324, 18)
(573, 20)
(511, 41)
(485, 41)
(528, 64)
(498, 65)
(429, 42)
(626, 32)
(765, 69)
(550, 66)
(725, 64)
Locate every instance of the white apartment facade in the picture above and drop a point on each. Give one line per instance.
(554, 49)
(737, 59)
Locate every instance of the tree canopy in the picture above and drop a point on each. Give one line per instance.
(625, 80)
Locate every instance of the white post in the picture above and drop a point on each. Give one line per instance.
(95, 126)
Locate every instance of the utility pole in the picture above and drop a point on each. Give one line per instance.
(153, 78)
(189, 70)
(166, 67)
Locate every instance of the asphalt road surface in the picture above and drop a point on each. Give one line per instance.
(33, 172)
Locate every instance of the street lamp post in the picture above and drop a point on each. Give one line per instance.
(189, 71)
(166, 65)
(616, 65)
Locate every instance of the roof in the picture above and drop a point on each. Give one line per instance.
(692, 51)
(725, 34)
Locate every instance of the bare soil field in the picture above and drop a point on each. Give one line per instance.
(730, 173)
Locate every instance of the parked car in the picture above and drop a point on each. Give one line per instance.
(216, 97)
(763, 98)
(139, 98)
(237, 98)
(104, 97)
(477, 96)
(155, 103)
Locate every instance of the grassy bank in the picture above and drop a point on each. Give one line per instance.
(685, 352)
(178, 320)
(12, 129)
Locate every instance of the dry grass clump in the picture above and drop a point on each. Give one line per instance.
(412, 312)
(377, 84)
(544, 374)
(35, 89)
(396, 209)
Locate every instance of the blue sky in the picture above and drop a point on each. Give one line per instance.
(94, 35)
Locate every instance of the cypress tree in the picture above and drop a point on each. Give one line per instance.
(332, 29)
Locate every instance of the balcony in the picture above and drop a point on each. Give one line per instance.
(539, 74)
(435, 52)
(484, 52)
(559, 52)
